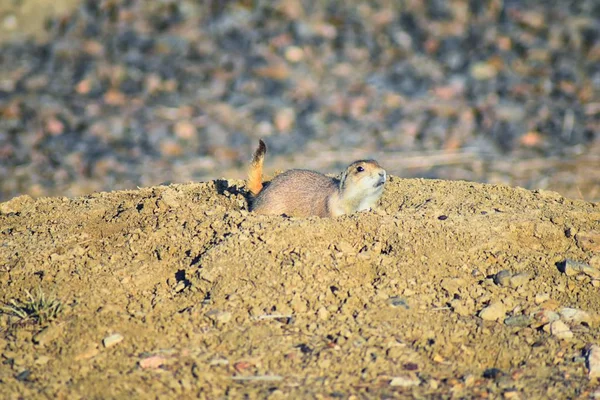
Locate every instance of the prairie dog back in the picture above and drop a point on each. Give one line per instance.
(302, 193)
(297, 192)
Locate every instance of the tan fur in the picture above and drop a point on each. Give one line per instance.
(255, 172)
(302, 193)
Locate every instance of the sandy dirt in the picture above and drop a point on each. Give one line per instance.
(213, 301)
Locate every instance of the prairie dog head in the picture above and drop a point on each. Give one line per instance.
(362, 183)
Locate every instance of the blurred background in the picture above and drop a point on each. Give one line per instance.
(100, 95)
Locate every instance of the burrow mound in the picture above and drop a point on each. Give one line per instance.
(448, 286)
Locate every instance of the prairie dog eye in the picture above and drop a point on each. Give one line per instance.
(359, 169)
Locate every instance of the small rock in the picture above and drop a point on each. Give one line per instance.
(452, 285)
(323, 314)
(23, 375)
(218, 316)
(593, 362)
(462, 307)
(550, 305)
(112, 340)
(588, 241)
(218, 361)
(396, 301)
(492, 373)
(532, 19)
(493, 312)
(90, 352)
(469, 380)
(544, 317)
(242, 365)
(571, 267)
(518, 320)
(345, 248)
(152, 362)
(560, 330)
(511, 394)
(47, 335)
(185, 130)
(42, 360)
(575, 316)
(298, 305)
(285, 119)
(410, 366)
(483, 71)
(541, 297)
(519, 280)
(405, 381)
(294, 54)
(179, 287)
(502, 278)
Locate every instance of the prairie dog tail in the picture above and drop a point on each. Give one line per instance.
(255, 172)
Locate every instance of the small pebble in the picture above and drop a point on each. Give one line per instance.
(90, 352)
(575, 316)
(571, 268)
(23, 376)
(469, 380)
(405, 381)
(492, 373)
(544, 317)
(285, 119)
(323, 314)
(588, 241)
(593, 362)
(218, 361)
(550, 305)
(483, 71)
(220, 317)
(461, 307)
(112, 340)
(493, 312)
(179, 287)
(396, 301)
(152, 362)
(560, 330)
(518, 320)
(541, 297)
(47, 335)
(502, 278)
(511, 394)
(294, 54)
(42, 360)
(452, 285)
(519, 280)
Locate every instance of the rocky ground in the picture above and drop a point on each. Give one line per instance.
(119, 94)
(450, 289)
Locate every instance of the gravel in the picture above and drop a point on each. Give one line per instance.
(127, 93)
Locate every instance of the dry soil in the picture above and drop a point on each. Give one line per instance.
(208, 299)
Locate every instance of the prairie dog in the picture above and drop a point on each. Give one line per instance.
(302, 193)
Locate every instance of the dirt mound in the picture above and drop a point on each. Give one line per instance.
(450, 288)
